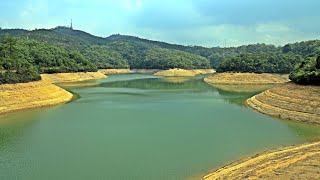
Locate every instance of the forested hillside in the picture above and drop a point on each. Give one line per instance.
(160, 58)
(105, 58)
(260, 63)
(307, 72)
(21, 60)
(73, 50)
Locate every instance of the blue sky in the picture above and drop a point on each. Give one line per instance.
(189, 22)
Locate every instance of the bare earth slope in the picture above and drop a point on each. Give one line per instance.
(183, 72)
(290, 102)
(245, 78)
(72, 77)
(297, 162)
(14, 97)
(115, 71)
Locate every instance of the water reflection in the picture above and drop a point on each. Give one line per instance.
(122, 125)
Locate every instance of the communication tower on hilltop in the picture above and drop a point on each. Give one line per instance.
(71, 26)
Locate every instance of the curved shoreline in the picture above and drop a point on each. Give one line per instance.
(43, 93)
(289, 102)
(72, 77)
(183, 72)
(245, 79)
(24, 96)
(284, 163)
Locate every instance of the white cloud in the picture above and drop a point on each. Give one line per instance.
(34, 9)
(272, 27)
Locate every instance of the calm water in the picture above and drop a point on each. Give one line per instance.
(139, 127)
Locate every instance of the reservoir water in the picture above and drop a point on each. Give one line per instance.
(139, 127)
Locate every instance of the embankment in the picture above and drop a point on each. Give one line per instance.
(21, 96)
(295, 162)
(290, 102)
(183, 72)
(245, 78)
(72, 77)
(115, 71)
(14, 97)
(286, 101)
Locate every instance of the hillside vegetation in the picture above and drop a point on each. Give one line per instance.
(307, 72)
(21, 60)
(260, 63)
(81, 51)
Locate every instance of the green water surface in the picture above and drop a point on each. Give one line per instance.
(139, 127)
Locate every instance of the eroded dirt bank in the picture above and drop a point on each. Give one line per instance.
(72, 77)
(245, 78)
(183, 72)
(295, 162)
(115, 71)
(290, 102)
(14, 97)
(21, 96)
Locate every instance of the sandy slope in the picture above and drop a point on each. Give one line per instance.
(183, 72)
(72, 77)
(295, 162)
(290, 102)
(14, 97)
(245, 78)
(115, 71)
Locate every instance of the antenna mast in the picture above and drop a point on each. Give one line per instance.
(71, 27)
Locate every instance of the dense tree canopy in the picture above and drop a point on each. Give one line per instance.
(159, 58)
(21, 60)
(307, 72)
(14, 64)
(133, 52)
(304, 48)
(260, 63)
(105, 58)
(63, 49)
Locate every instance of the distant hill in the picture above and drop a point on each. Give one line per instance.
(58, 39)
(307, 72)
(12, 32)
(134, 49)
(304, 48)
(80, 35)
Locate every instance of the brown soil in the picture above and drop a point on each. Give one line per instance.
(183, 72)
(295, 162)
(245, 78)
(290, 102)
(115, 71)
(72, 77)
(21, 96)
(14, 97)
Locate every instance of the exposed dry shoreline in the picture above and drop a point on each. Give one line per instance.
(72, 77)
(22, 96)
(245, 78)
(295, 162)
(115, 71)
(291, 102)
(183, 73)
